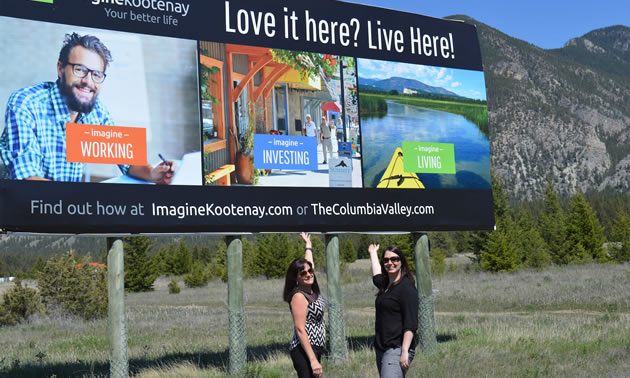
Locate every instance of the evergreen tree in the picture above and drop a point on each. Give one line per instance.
(140, 270)
(348, 254)
(197, 276)
(74, 285)
(39, 265)
(585, 235)
(218, 266)
(444, 241)
(202, 255)
(621, 235)
(177, 259)
(18, 304)
(478, 239)
(275, 253)
(499, 254)
(499, 250)
(553, 225)
(532, 248)
(364, 243)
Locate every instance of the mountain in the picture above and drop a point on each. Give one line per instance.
(606, 50)
(562, 114)
(400, 84)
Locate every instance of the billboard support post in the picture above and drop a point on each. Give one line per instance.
(117, 319)
(426, 301)
(338, 347)
(236, 308)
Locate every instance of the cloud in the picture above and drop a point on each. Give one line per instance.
(455, 84)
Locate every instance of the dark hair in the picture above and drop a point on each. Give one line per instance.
(89, 42)
(404, 267)
(290, 281)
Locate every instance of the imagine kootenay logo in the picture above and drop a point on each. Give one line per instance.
(159, 5)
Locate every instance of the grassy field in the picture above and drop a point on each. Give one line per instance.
(565, 321)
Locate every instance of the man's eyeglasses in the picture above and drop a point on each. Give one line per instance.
(393, 259)
(305, 272)
(81, 71)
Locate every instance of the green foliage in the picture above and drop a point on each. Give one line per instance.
(531, 246)
(620, 251)
(585, 235)
(202, 255)
(348, 254)
(39, 265)
(372, 105)
(499, 254)
(438, 261)
(308, 64)
(18, 304)
(173, 287)
(275, 253)
(197, 276)
(552, 225)
(444, 241)
(75, 286)
(140, 270)
(404, 242)
(218, 266)
(176, 259)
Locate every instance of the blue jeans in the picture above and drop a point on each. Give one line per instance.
(388, 362)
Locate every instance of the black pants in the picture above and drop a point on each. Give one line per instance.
(300, 361)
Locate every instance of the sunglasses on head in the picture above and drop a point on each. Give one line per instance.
(393, 259)
(305, 272)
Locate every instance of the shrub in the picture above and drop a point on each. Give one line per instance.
(18, 304)
(75, 285)
(438, 261)
(348, 254)
(173, 287)
(140, 270)
(197, 276)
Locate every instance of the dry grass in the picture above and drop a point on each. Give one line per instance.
(567, 321)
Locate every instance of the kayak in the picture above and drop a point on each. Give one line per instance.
(396, 177)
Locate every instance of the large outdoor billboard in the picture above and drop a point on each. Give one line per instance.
(249, 116)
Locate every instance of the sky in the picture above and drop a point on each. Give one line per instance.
(545, 23)
(463, 82)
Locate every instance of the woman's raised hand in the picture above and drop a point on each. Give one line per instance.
(307, 239)
(373, 248)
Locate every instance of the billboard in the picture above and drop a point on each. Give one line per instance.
(138, 116)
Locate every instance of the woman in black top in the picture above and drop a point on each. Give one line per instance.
(307, 307)
(396, 312)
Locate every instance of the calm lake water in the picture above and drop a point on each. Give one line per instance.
(381, 136)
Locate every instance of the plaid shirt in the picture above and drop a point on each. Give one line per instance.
(33, 142)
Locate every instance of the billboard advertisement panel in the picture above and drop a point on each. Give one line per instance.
(154, 116)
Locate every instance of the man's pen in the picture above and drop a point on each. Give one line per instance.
(170, 165)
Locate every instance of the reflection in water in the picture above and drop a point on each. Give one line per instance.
(381, 136)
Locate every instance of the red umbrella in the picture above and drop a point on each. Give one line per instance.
(330, 107)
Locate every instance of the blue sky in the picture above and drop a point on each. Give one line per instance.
(547, 24)
(465, 83)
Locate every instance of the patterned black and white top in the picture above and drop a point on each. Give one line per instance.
(315, 323)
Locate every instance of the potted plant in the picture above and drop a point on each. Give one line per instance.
(244, 162)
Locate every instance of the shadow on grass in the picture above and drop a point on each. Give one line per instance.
(203, 360)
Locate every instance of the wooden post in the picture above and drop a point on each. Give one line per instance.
(426, 301)
(117, 319)
(336, 329)
(236, 305)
